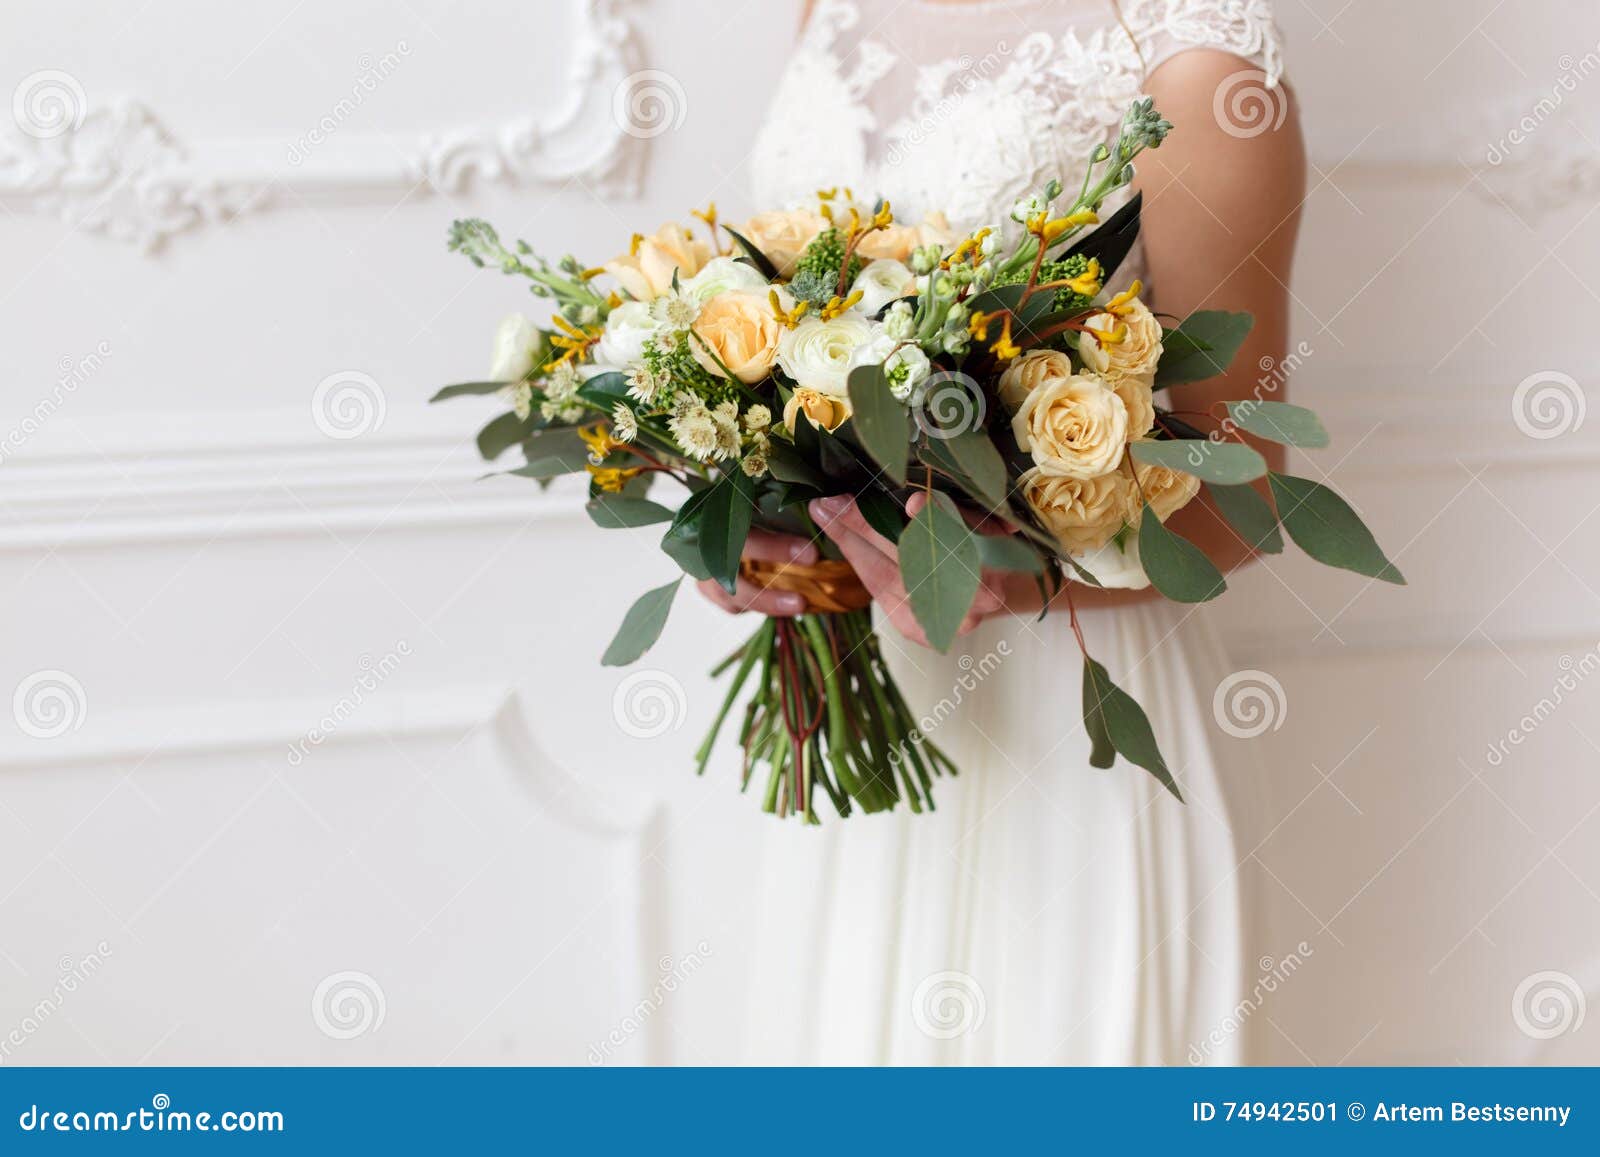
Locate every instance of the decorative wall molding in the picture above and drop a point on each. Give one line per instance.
(116, 169)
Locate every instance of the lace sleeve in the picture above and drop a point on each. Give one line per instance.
(1164, 28)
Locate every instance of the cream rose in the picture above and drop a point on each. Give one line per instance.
(1116, 567)
(517, 342)
(1083, 513)
(1166, 491)
(1135, 392)
(721, 275)
(741, 331)
(823, 410)
(647, 273)
(1074, 427)
(1030, 371)
(881, 282)
(783, 235)
(628, 327)
(1137, 352)
(818, 354)
(897, 241)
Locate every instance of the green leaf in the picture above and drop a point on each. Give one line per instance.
(1177, 567)
(980, 462)
(505, 432)
(883, 513)
(463, 388)
(1111, 239)
(681, 543)
(786, 465)
(1250, 514)
(605, 389)
(553, 452)
(1280, 422)
(1202, 346)
(615, 511)
(1323, 525)
(1225, 462)
(1102, 752)
(725, 524)
(1007, 552)
(1125, 724)
(641, 626)
(939, 564)
(880, 420)
(757, 258)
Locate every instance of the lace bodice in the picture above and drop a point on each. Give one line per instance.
(964, 107)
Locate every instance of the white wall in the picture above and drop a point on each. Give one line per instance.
(478, 839)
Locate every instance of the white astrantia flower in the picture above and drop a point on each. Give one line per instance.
(817, 354)
(757, 418)
(522, 399)
(645, 383)
(624, 425)
(516, 342)
(722, 275)
(881, 282)
(1116, 567)
(675, 309)
(627, 330)
(562, 383)
(726, 417)
(695, 430)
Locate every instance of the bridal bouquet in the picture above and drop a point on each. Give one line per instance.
(833, 350)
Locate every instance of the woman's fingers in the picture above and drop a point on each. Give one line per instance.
(771, 547)
(842, 512)
(747, 596)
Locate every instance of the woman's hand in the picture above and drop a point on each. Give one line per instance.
(767, 547)
(878, 564)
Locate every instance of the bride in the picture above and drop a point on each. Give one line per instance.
(1047, 913)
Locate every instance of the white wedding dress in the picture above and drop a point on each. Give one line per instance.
(1048, 912)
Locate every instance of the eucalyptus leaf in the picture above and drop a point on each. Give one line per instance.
(786, 465)
(1125, 724)
(757, 258)
(1007, 552)
(605, 389)
(466, 388)
(1250, 514)
(940, 566)
(973, 451)
(1102, 752)
(1324, 526)
(725, 524)
(681, 543)
(883, 513)
(1279, 422)
(641, 626)
(552, 453)
(504, 432)
(1226, 462)
(1202, 346)
(880, 420)
(615, 511)
(1177, 567)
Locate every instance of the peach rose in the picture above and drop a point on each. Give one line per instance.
(1074, 427)
(1135, 392)
(783, 234)
(1138, 350)
(897, 241)
(1166, 491)
(823, 410)
(1083, 513)
(1027, 373)
(647, 274)
(740, 330)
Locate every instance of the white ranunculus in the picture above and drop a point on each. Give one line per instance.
(881, 282)
(906, 366)
(628, 327)
(516, 342)
(1116, 567)
(817, 354)
(722, 274)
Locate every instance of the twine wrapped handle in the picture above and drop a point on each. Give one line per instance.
(829, 586)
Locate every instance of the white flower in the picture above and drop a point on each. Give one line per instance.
(817, 354)
(881, 282)
(722, 274)
(1116, 567)
(627, 330)
(754, 464)
(675, 309)
(757, 418)
(695, 430)
(905, 366)
(562, 383)
(726, 417)
(1028, 207)
(522, 399)
(623, 424)
(516, 341)
(645, 383)
(899, 323)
